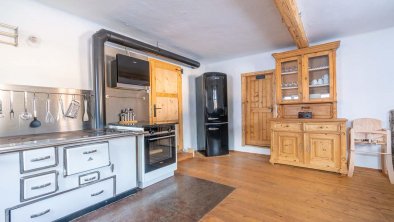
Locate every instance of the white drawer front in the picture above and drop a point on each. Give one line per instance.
(88, 178)
(38, 159)
(39, 185)
(64, 204)
(88, 157)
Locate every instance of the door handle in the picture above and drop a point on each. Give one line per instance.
(212, 129)
(154, 110)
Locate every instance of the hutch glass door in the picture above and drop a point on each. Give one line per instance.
(320, 77)
(289, 80)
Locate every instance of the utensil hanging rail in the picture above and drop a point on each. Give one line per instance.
(50, 93)
(12, 34)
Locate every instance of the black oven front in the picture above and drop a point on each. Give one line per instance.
(160, 150)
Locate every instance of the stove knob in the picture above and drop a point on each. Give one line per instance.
(169, 130)
(151, 131)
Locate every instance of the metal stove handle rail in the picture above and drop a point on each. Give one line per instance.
(162, 137)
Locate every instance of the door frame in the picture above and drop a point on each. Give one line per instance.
(243, 93)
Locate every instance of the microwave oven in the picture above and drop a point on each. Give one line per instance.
(129, 72)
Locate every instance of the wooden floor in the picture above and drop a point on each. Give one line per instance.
(284, 193)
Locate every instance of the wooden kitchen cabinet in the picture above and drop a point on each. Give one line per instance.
(317, 144)
(306, 75)
(289, 147)
(166, 95)
(323, 150)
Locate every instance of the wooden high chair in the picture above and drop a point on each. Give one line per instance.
(369, 131)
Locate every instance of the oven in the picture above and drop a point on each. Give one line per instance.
(160, 149)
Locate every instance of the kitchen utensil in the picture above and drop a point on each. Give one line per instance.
(25, 115)
(12, 113)
(73, 108)
(1, 109)
(85, 106)
(35, 123)
(49, 117)
(60, 109)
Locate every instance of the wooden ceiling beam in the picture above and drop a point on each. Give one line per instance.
(291, 18)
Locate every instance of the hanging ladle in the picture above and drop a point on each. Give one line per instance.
(35, 123)
(25, 115)
(49, 117)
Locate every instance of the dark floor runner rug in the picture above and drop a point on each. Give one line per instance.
(179, 198)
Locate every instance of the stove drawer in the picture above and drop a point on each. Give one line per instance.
(39, 185)
(63, 204)
(38, 159)
(87, 157)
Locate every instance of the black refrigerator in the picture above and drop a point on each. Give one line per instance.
(212, 115)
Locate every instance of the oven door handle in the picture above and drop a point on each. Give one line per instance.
(162, 137)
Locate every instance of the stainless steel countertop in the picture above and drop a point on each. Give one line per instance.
(27, 142)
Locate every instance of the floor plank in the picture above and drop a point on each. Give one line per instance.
(284, 193)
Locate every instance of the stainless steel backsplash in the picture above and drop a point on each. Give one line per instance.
(118, 99)
(17, 126)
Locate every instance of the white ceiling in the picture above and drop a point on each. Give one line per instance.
(212, 30)
(326, 19)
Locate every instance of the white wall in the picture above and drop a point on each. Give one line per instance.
(60, 60)
(365, 83)
(63, 57)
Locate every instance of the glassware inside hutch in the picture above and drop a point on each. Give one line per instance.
(289, 80)
(319, 77)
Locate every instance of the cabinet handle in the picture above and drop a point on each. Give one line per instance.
(305, 107)
(96, 194)
(40, 158)
(90, 179)
(41, 186)
(212, 118)
(89, 152)
(212, 129)
(40, 214)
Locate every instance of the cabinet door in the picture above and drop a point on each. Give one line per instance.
(323, 150)
(289, 147)
(288, 80)
(319, 77)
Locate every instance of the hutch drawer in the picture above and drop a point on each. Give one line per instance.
(287, 126)
(322, 127)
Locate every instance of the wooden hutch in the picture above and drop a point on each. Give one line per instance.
(306, 83)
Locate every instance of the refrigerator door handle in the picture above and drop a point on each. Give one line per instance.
(211, 124)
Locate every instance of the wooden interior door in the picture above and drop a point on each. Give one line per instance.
(166, 95)
(257, 108)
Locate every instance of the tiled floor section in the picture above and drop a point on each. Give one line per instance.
(180, 198)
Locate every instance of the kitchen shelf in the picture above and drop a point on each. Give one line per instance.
(319, 68)
(320, 85)
(289, 73)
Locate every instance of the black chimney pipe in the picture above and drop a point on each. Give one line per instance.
(99, 39)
